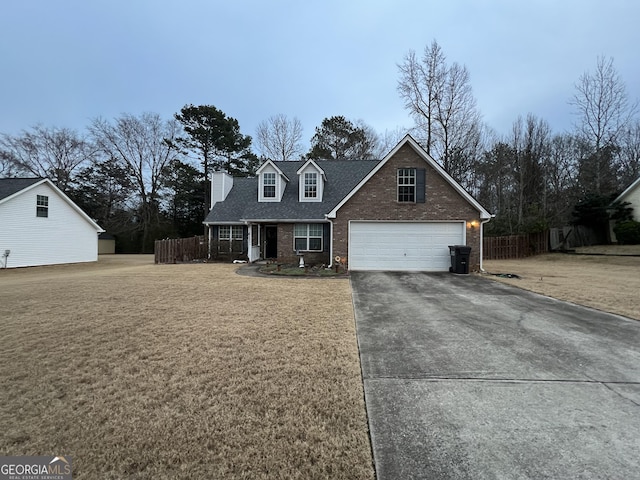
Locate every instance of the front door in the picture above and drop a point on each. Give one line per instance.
(271, 241)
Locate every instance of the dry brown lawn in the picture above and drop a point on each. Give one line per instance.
(181, 371)
(608, 283)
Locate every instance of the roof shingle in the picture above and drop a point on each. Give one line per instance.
(9, 186)
(242, 202)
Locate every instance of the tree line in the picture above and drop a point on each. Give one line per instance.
(144, 177)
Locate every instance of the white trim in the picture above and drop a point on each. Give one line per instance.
(263, 186)
(269, 162)
(627, 190)
(280, 182)
(224, 223)
(315, 165)
(231, 236)
(308, 236)
(482, 240)
(428, 159)
(414, 184)
(311, 167)
(279, 220)
(253, 250)
(61, 194)
(330, 244)
(302, 183)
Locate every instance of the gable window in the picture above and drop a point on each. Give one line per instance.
(42, 206)
(230, 232)
(269, 185)
(307, 237)
(310, 185)
(407, 185)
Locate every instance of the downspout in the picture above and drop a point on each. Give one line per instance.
(482, 240)
(330, 243)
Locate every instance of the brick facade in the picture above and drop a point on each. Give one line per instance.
(286, 252)
(377, 200)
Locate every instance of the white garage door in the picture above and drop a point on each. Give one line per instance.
(403, 246)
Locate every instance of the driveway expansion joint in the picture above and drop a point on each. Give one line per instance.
(605, 383)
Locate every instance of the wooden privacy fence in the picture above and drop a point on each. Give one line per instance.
(177, 250)
(515, 246)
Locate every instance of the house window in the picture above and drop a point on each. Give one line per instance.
(269, 185)
(310, 185)
(307, 237)
(42, 206)
(407, 185)
(230, 232)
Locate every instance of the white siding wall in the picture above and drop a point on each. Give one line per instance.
(634, 199)
(221, 184)
(63, 237)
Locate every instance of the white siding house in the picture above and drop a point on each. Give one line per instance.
(632, 195)
(40, 225)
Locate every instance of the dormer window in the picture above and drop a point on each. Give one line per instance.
(269, 185)
(310, 185)
(272, 182)
(311, 181)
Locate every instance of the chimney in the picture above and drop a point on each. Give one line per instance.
(221, 183)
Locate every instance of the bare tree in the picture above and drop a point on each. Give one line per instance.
(370, 146)
(457, 116)
(138, 145)
(420, 85)
(389, 139)
(279, 138)
(601, 104)
(496, 186)
(530, 144)
(603, 112)
(8, 167)
(561, 177)
(629, 155)
(56, 153)
(440, 99)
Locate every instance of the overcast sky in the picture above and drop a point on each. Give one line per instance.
(65, 62)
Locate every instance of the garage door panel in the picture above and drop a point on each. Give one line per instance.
(403, 246)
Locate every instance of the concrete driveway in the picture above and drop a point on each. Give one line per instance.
(469, 378)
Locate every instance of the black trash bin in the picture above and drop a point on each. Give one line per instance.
(459, 258)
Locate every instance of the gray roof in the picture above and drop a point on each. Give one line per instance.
(242, 201)
(9, 186)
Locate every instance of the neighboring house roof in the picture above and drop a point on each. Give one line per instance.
(408, 139)
(12, 187)
(242, 202)
(628, 190)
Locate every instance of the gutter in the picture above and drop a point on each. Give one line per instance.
(278, 220)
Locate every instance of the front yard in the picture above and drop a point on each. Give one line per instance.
(605, 282)
(192, 371)
(181, 371)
